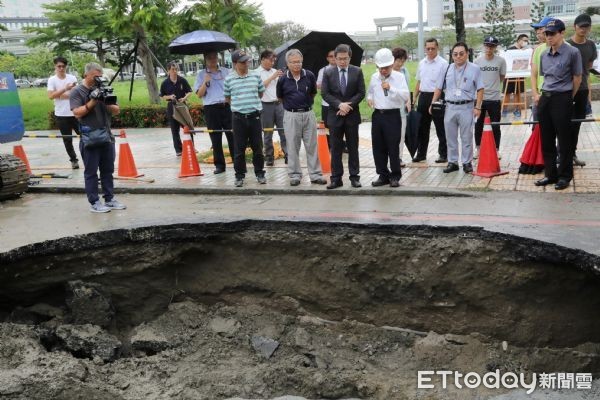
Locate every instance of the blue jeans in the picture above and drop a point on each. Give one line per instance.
(102, 158)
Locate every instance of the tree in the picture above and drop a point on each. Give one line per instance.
(537, 13)
(274, 35)
(408, 40)
(459, 18)
(474, 37)
(36, 64)
(492, 16)
(238, 18)
(591, 10)
(144, 19)
(76, 26)
(8, 62)
(506, 35)
(449, 18)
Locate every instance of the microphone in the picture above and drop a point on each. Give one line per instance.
(385, 91)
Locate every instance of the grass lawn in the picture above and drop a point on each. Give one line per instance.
(36, 104)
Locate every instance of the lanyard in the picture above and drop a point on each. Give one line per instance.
(457, 81)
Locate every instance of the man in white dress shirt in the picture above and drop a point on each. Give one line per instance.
(430, 68)
(272, 113)
(387, 95)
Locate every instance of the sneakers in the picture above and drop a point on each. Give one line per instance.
(74, 164)
(239, 182)
(517, 113)
(498, 154)
(468, 168)
(451, 168)
(294, 182)
(98, 207)
(115, 204)
(577, 162)
(178, 154)
(261, 179)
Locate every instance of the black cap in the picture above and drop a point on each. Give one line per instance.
(583, 20)
(491, 41)
(556, 25)
(239, 56)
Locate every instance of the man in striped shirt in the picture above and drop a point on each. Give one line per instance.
(243, 90)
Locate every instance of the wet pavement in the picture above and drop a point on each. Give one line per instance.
(508, 203)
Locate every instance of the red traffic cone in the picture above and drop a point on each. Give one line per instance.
(488, 165)
(189, 161)
(323, 148)
(127, 167)
(18, 151)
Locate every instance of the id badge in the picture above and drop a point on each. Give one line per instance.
(457, 92)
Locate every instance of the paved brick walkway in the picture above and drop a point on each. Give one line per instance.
(155, 157)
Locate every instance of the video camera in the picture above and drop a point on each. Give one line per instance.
(103, 92)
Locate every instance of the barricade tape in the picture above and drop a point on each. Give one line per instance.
(49, 136)
(595, 119)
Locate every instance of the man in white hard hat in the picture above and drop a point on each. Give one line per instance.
(387, 95)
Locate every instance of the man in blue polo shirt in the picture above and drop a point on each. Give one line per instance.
(562, 69)
(297, 89)
(243, 91)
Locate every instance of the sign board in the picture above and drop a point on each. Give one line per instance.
(12, 126)
(518, 63)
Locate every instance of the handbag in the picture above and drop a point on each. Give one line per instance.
(95, 137)
(438, 108)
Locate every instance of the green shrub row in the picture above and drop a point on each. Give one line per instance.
(149, 116)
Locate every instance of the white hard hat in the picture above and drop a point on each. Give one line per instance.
(384, 58)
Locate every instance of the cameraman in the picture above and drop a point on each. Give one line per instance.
(87, 104)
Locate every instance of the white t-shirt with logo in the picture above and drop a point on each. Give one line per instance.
(62, 107)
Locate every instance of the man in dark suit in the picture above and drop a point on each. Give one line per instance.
(343, 87)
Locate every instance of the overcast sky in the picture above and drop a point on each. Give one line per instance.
(331, 15)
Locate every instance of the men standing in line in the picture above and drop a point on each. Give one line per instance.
(297, 89)
(343, 88)
(272, 114)
(429, 70)
(587, 48)
(59, 90)
(174, 89)
(217, 112)
(562, 70)
(510, 88)
(88, 106)
(387, 95)
(464, 95)
(493, 71)
(243, 90)
(400, 57)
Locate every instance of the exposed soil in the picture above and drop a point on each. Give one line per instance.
(266, 309)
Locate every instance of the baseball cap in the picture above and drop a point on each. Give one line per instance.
(583, 20)
(556, 25)
(491, 40)
(542, 23)
(239, 56)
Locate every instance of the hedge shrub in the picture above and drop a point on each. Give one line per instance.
(150, 116)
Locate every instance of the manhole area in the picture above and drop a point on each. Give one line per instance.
(266, 309)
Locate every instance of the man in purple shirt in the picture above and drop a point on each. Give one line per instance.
(562, 70)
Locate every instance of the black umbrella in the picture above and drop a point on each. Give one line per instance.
(411, 139)
(200, 42)
(314, 48)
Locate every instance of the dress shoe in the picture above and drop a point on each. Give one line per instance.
(335, 184)
(380, 181)
(419, 159)
(402, 164)
(261, 179)
(218, 171)
(294, 182)
(394, 182)
(451, 168)
(441, 160)
(355, 183)
(285, 158)
(269, 163)
(239, 182)
(577, 162)
(561, 184)
(468, 168)
(545, 181)
(319, 181)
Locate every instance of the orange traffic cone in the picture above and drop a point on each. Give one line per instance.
(127, 167)
(488, 165)
(323, 147)
(18, 151)
(189, 161)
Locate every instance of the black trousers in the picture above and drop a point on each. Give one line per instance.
(248, 128)
(96, 159)
(218, 117)
(493, 109)
(68, 125)
(426, 118)
(555, 113)
(175, 127)
(385, 135)
(350, 132)
(579, 105)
